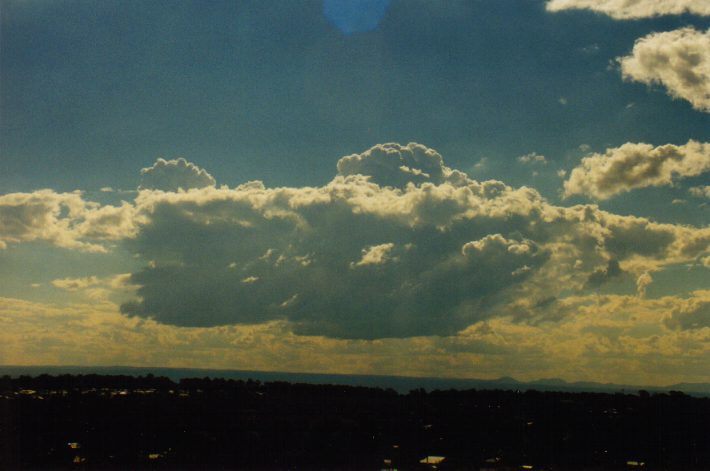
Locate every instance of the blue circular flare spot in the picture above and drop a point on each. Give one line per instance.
(355, 16)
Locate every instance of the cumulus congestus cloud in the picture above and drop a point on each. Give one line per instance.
(380, 251)
(396, 165)
(636, 165)
(679, 60)
(635, 9)
(172, 175)
(351, 259)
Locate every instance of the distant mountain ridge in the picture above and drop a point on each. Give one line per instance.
(402, 384)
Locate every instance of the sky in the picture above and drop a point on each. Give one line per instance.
(468, 189)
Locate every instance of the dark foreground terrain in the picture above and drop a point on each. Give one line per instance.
(124, 422)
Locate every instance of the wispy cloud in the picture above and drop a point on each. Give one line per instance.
(532, 158)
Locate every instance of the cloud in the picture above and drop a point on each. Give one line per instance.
(351, 259)
(679, 60)
(98, 288)
(690, 316)
(412, 255)
(44, 215)
(171, 175)
(396, 165)
(601, 276)
(642, 283)
(700, 191)
(621, 339)
(358, 259)
(75, 284)
(532, 158)
(108, 222)
(375, 255)
(63, 219)
(627, 10)
(633, 165)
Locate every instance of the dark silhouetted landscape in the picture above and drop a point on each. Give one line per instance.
(149, 422)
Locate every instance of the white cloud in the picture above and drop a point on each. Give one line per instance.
(171, 175)
(700, 191)
(301, 244)
(44, 215)
(633, 9)
(532, 158)
(361, 260)
(354, 259)
(63, 219)
(76, 284)
(396, 165)
(108, 222)
(375, 255)
(642, 283)
(679, 60)
(633, 165)
(98, 288)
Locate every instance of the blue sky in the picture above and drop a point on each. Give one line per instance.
(250, 91)
(599, 150)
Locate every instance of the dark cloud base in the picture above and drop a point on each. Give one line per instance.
(396, 245)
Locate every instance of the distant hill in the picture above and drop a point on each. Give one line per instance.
(402, 384)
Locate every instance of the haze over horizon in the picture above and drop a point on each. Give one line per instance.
(470, 189)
